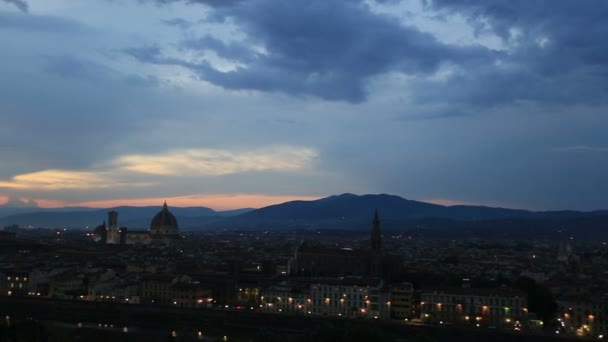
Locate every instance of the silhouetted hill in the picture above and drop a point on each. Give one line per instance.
(346, 206)
(234, 212)
(341, 212)
(8, 210)
(349, 206)
(132, 217)
(350, 211)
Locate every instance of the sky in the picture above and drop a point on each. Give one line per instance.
(245, 103)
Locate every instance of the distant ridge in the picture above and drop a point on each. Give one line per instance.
(350, 206)
(355, 211)
(128, 216)
(345, 211)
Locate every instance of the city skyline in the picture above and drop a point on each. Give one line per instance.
(232, 104)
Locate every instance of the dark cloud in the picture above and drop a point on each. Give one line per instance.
(471, 90)
(325, 48)
(556, 52)
(574, 30)
(21, 5)
(331, 49)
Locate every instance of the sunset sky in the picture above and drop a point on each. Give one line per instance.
(245, 103)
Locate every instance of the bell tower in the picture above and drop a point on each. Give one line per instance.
(376, 238)
(113, 234)
(376, 256)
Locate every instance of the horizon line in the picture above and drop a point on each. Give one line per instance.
(227, 202)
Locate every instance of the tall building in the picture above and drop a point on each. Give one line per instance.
(376, 256)
(112, 229)
(376, 238)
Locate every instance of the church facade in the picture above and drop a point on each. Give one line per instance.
(321, 261)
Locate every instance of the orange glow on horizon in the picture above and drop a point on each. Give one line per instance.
(215, 201)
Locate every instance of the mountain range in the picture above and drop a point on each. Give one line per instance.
(346, 211)
(134, 217)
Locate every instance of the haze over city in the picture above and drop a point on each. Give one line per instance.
(231, 104)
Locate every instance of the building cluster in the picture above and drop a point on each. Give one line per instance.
(465, 283)
(341, 297)
(496, 308)
(163, 230)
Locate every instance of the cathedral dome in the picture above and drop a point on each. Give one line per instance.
(164, 223)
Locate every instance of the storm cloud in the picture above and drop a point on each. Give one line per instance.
(556, 52)
(333, 49)
(329, 49)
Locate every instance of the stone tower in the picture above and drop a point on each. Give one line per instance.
(375, 255)
(376, 237)
(113, 233)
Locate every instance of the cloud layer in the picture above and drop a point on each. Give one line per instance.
(334, 49)
(498, 102)
(555, 55)
(20, 4)
(127, 170)
(327, 49)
